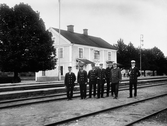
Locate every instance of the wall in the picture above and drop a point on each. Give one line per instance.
(71, 53)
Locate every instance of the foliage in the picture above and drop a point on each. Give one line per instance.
(126, 53)
(152, 59)
(25, 44)
(122, 52)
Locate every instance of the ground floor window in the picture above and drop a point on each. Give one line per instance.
(43, 73)
(61, 70)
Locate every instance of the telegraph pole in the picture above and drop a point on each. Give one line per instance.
(141, 44)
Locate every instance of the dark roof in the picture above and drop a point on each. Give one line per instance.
(82, 39)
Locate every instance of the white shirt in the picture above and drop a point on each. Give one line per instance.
(133, 67)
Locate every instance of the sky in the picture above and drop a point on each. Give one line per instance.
(108, 19)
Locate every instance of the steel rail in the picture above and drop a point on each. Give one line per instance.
(145, 117)
(76, 92)
(104, 110)
(22, 102)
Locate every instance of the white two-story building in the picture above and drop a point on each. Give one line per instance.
(74, 48)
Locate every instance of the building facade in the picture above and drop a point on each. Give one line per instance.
(75, 48)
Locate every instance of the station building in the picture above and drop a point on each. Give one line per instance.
(75, 48)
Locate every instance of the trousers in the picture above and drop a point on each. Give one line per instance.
(92, 85)
(108, 86)
(82, 90)
(115, 88)
(100, 90)
(70, 89)
(131, 85)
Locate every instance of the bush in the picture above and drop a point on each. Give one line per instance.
(9, 80)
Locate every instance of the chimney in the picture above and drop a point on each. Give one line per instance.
(85, 31)
(70, 28)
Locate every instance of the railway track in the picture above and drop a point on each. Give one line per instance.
(29, 90)
(145, 117)
(92, 114)
(62, 96)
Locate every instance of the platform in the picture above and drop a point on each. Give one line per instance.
(26, 89)
(46, 113)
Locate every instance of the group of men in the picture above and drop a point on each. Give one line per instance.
(97, 77)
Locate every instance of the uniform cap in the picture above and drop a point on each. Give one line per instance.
(81, 65)
(114, 63)
(109, 62)
(133, 61)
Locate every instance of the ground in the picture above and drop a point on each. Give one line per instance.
(46, 113)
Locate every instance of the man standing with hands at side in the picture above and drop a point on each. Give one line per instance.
(92, 81)
(101, 77)
(133, 74)
(69, 83)
(108, 76)
(116, 77)
(82, 80)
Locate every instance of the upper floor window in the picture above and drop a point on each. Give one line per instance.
(109, 55)
(97, 54)
(60, 52)
(80, 52)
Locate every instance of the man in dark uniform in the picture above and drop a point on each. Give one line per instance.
(108, 75)
(69, 83)
(133, 74)
(82, 80)
(92, 81)
(101, 76)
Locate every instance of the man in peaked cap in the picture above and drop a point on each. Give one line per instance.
(116, 77)
(82, 81)
(108, 75)
(92, 81)
(101, 76)
(69, 82)
(133, 74)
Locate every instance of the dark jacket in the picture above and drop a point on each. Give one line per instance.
(108, 72)
(101, 74)
(69, 79)
(116, 75)
(133, 74)
(92, 75)
(82, 77)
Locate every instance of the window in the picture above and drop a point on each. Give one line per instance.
(60, 52)
(96, 54)
(43, 73)
(80, 52)
(61, 70)
(109, 55)
(113, 56)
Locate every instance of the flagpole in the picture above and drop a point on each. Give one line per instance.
(59, 69)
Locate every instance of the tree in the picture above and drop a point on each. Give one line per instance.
(122, 53)
(133, 54)
(146, 58)
(159, 60)
(25, 44)
(152, 59)
(126, 53)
